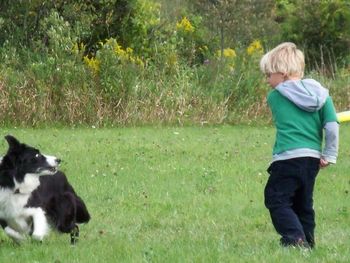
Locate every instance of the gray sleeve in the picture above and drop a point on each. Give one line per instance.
(330, 151)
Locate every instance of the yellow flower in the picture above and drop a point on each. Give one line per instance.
(122, 55)
(227, 53)
(255, 48)
(228, 57)
(93, 64)
(185, 25)
(120, 52)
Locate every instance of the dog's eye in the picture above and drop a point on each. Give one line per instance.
(37, 155)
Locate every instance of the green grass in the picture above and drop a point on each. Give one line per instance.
(170, 194)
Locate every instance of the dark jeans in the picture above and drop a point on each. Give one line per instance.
(289, 198)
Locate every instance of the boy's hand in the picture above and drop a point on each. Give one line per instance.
(323, 163)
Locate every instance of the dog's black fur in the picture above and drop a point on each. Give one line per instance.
(62, 205)
(63, 208)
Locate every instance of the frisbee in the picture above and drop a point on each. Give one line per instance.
(343, 116)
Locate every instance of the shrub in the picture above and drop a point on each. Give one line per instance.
(321, 27)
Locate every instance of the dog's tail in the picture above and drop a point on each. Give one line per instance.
(82, 214)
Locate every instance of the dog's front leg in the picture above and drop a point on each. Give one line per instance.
(14, 235)
(40, 224)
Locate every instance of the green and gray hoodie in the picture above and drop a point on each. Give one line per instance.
(297, 127)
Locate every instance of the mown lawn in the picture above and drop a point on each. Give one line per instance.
(172, 194)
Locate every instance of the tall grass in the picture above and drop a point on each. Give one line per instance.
(180, 194)
(64, 90)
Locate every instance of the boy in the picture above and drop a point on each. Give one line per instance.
(301, 109)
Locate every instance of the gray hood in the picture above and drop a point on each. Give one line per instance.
(307, 94)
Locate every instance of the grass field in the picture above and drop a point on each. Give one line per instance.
(169, 194)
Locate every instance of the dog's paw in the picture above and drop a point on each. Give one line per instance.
(38, 237)
(40, 234)
(74, 235)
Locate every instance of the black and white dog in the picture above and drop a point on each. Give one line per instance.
(34, 195)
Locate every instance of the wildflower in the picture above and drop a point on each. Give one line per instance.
(185, 25)
(129, 50)
(119, 51)
(255, 48)
(119, 55)
(227, 53)
(125, 55)
(92, 63)
(228, 56)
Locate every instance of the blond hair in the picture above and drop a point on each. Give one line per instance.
(286, 59)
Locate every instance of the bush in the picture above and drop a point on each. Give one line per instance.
(321, 27)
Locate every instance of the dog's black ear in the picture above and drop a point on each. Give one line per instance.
(14, 144)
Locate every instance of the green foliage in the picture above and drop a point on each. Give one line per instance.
(144, 23)
(234, 22)
(322, 27)
(156, 61)
(191, 45)
(60, 38)
(118, 70)
(18, 23)
(21, 21)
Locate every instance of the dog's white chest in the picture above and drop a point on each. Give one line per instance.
(11, 204)
(29, 184)
(12, 201)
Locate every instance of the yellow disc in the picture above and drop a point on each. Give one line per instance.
(343, 116)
